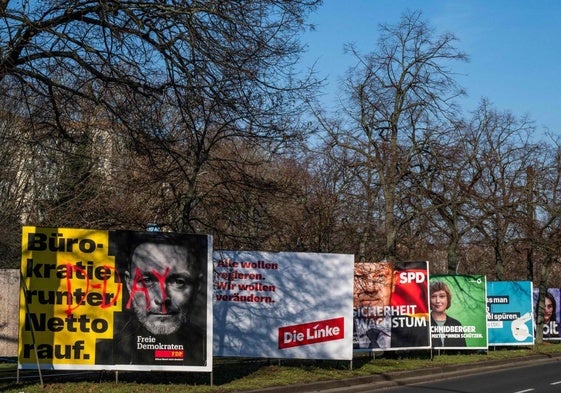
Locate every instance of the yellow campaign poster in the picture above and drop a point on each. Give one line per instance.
(115, 300)
(70, 290)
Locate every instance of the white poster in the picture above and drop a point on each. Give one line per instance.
(283, 305)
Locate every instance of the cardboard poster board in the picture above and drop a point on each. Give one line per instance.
(460, 322)
(510, 313)
(283, 305)
(124, 300)
(390, 306)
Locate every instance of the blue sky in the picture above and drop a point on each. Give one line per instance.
(514, 48)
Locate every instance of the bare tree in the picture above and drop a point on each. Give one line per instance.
(327, 222)
(180, 77)
(446, 176)
(396, 93)
(503, 154)
(474, 177)
(542, 224)
(147, 46)
(13, 183)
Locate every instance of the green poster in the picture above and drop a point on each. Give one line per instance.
(458, 311)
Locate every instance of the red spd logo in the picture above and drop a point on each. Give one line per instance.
(311, 333)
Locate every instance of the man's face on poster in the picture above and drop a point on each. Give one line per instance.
(373, 284)
(162, 282)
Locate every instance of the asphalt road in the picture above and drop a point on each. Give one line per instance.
(535, 373)
(536, 378)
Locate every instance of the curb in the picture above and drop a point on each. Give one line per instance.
(370, 382)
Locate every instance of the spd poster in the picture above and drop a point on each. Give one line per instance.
(120, 300)
(510, 313)
(284, 305)
(458, 311)
(390, 306)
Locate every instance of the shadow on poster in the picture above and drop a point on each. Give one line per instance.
(285, 305)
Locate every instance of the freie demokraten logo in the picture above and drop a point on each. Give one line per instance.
(311, 333)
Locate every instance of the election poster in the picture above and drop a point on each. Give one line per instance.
(390, 306)
(510, 313)
(284, 305)
(115, 300)
(551, 313)
(458, 315)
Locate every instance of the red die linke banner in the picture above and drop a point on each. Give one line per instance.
(390, 306)
(311, 333)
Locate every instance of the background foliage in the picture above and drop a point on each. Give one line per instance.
(190, 116)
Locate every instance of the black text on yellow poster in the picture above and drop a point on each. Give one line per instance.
(70, 290)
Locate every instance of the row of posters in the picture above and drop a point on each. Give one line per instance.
(393, 308)
(392, 303)
(125, 300)
(128, 300)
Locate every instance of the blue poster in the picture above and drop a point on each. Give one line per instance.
(510, 313)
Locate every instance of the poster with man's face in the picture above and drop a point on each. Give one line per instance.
(458, 311)
(390, 306)
(122, 300)
(551, 313)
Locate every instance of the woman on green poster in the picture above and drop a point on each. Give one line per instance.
(440, 301)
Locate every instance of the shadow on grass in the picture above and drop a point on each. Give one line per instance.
(225, 370)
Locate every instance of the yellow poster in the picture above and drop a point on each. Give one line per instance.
(119, 300)
(70, 291)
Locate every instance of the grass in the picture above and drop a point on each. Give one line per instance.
(238, 375)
